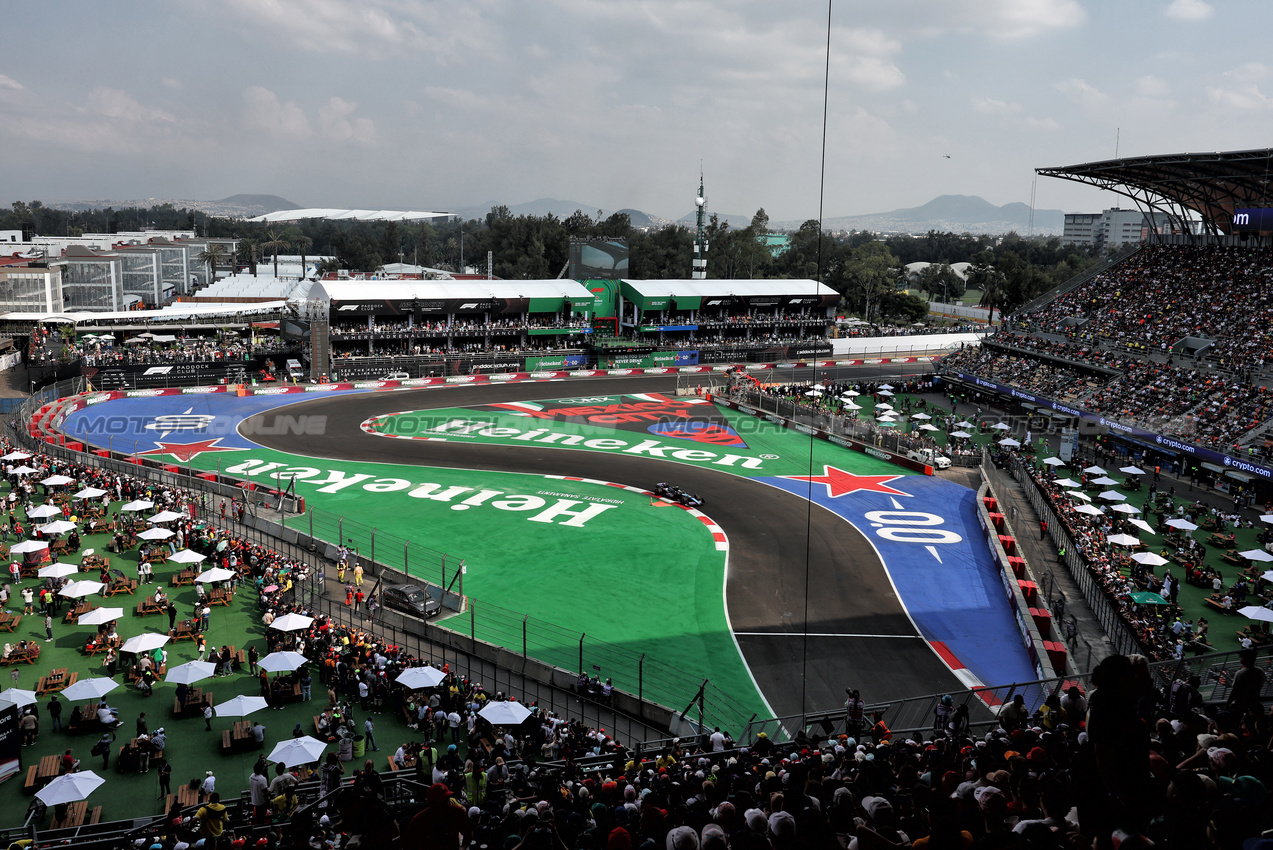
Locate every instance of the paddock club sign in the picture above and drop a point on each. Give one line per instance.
(1167, 443)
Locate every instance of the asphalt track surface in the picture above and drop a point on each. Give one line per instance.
(808, 598)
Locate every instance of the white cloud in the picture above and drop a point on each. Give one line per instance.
(9, 83)
(1040, 125)
(990, 106)
(116, 105)
(1082, 92)
(336, 126)
(1151, 86)
(1244, 98)
(263, 111)
(1190, 11)
(1013, 19)
(171, 83)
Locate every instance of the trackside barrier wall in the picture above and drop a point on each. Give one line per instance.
(1017, 581)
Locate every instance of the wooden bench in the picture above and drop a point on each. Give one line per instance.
(30, 786)
(9, 622)
(227, 743)
(127, 585)
(1215, 603)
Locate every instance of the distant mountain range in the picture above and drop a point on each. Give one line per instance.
(956, 213)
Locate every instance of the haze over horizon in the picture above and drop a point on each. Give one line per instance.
(411, 104)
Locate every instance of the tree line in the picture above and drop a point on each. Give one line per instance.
(866, 269)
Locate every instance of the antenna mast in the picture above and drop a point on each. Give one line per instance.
(700, 235)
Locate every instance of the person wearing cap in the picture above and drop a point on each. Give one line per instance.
(209, 785)
(441, 823)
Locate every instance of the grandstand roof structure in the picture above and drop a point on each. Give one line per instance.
(1210, 185)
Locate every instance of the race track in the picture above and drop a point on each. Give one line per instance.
(859, 635)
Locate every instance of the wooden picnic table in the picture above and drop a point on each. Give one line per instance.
(77, 814)
(57, 680)
(194, 703)
(185, 795)
(183, 630)
(17, 656)
(123, 585)
(148, 605)
(92, 562)
(9, 622)
(220, 596)
(79, 609)
(183, 578)
(50, 767)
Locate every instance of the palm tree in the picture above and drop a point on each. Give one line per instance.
(212, 256)
(274, 244)
(302, 244)
(250, 254)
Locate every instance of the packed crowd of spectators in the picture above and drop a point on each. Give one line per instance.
(47, 346)
(1209, 408)
(1165, 293)
(458, 326)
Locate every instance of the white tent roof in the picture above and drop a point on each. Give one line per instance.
(175, 312)
(708, 288)
(358, 215)
(354, 290)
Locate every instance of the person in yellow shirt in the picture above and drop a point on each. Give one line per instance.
(358, 575)
(285, 804)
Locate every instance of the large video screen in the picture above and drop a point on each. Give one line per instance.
(599, 259)
(1254, 220)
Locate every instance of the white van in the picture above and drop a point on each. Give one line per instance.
(929, 457)
(294, 370)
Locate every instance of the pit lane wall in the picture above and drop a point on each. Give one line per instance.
(1119, 426)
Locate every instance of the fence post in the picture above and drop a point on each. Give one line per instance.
(524, 642)
(340, 531)
(641, 685)
(373, 545)
(473, 626)
(581, 637)
(406, 560)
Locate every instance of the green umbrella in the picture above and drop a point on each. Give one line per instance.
(1145, 597)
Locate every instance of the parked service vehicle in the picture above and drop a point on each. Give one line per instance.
(410, 599)
(295, 370)
(930, 457)
(396, 376)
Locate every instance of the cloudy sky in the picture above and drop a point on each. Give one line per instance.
(615, 103)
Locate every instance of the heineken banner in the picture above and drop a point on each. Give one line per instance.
(652, 359)
(559, 361)
(1121, 427)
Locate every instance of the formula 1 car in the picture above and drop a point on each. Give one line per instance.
(673, 493)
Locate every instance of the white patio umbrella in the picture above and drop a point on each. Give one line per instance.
(1267, 576)
(1131, 470)
(1142, 525)
(960, 434)
(1054, 461)
(165, 516)
(1182, 524)
(965, 424)
(57, 480)
(1105, 481)
(1066, 482)
(1266, 518)
(1001, 426)
(1008, 442)
(215, 574)
(1123, 540)
(414, 678)
(24, 470)
(80, 589)
(1256, 555)
(848, 405)
(927, 427)
(921, 416)
(1094, 470)
(294, 751)
(1257, 612)
(883, 406)
(1089, 510)
(506, 713)
(89, 493)
(186, 556)
(851, 394)
(190, 672)
(813, 392)
(884, 392)
(291, 622)
(58, 526)
(144, 643)
(86, 689)
(277, 662)
(27, 546)
(1111, 496)
(58, 570)
(1078, 494)
(240, 706)
(70, 788)
(100, 616)
(1149, 559)
(1127, 509)
(18, 697)
(156, 534)
(44, 512)
(138, 505)
(15, 455)
(886, 386)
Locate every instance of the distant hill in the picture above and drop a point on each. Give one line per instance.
(955, 213)
(638, 218)
(733, 220)
(271, 202)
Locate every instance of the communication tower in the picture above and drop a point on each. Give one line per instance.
(700, 235)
